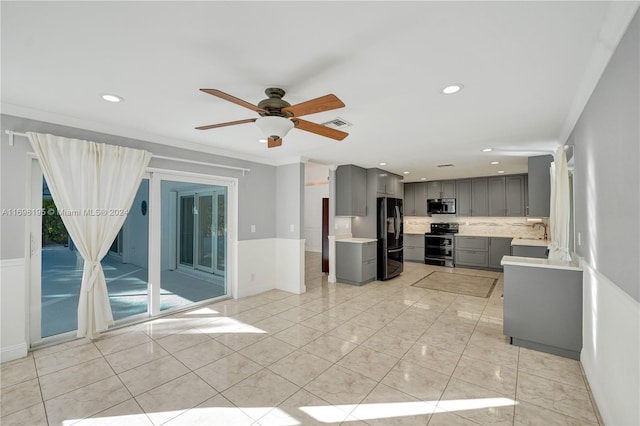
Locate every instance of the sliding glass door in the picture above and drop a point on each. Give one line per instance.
(182, 262)
(194, 265)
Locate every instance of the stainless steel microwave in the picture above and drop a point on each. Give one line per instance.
(441, 206)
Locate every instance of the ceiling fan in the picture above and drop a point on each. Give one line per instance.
(278, 116)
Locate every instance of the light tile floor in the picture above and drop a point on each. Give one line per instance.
(385, 353)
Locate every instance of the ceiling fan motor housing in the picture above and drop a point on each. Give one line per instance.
(274, 103)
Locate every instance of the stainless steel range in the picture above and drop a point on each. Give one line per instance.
(439, 244)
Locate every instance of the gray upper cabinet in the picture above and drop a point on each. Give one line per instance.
(463, 197)
(441, 189)
(388, 184)
(479, 197)
(420, 198)
(351, 191)
(515, 195)
(409, 199)
(539, 185)
(497, 200)
(483, 196)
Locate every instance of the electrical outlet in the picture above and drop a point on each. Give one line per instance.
(253, 228)
(579, 238)
(292, 228)
(253, 276)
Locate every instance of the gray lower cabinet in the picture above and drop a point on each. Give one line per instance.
(498, 247)
(356, 262)
(481, 252)
(529, 251)
(471, 251)
(543, 309)
(413, 247)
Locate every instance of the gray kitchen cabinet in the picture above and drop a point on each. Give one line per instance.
(497, 196)
(441, 189)
(543, 309)
(356, 262)
(498, 247)
(420, 198)
(351, 191)
(413, 247)
(409, 199)
(530, 251)
(471, 251)
(539, 183)
(463, 197)
(479, 197)
(515, 195)
(388, 184)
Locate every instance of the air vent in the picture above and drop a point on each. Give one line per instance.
(444, 165)
(337, 123)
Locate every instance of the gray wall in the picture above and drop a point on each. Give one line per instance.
(256, 190)
(290, 201)
(607, 159)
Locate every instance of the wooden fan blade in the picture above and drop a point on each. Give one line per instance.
(272, 143)
(323, 103)
(228, 97)
(319, 129)
(229, 123)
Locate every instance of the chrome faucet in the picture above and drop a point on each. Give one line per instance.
(545, 228)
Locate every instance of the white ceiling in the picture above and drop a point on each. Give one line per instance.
(527, 67)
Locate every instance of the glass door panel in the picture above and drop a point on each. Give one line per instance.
(204, 232)
(193, 261)
(221, 232)
(187, 206)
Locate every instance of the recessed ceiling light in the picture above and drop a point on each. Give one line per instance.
(495, 162)
(487, 150)
(382, 164)
(262, 140)
(112, 98)
(500, 171)
(454, 88)
(423, 178)
(406, 173)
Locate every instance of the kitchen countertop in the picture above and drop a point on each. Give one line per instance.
(530, 242)
(534, 262)
(356, 240)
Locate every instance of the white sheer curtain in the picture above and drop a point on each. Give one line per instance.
(93, 185)
(559, 215)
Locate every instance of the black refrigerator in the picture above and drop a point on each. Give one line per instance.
(389, 234)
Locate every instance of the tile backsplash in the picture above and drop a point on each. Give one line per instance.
(481, 226)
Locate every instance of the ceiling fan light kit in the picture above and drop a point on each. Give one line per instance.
(274, 127)
(278, 116)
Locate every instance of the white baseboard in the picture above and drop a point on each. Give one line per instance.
(14, 352)
(611, 348)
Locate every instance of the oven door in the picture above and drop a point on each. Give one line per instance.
(438, 246)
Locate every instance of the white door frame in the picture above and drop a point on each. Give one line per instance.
(155, 227)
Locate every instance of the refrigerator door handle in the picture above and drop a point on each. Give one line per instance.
(395, 250)
(396, 224)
